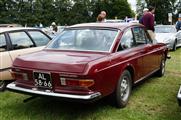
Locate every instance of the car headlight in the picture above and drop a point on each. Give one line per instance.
(168, 40)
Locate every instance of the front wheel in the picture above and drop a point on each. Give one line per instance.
(161, 71)
(174, 46)
(123, 89)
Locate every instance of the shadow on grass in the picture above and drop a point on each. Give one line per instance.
(52, 108)
(44, 108)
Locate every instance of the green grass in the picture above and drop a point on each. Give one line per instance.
(153, 99)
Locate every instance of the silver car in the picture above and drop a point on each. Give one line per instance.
(168, 34)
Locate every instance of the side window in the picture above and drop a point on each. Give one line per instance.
(3, 46)
(126, 40)
(39, 38)
(139, 35)
(20, 40)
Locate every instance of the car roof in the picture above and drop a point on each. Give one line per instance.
(7, 29)
(120, 26)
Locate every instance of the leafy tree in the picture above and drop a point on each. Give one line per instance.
(139, 7)
(31, 12)
(114, 8)
(44, 11)
(7, 11)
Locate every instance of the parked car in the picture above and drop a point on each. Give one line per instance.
(90, 61)
(10, 25)
(179, 96)
(168, 34)
(14, 42)
(114, 21)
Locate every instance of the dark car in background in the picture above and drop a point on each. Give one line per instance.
(16, 41)
(90, 61)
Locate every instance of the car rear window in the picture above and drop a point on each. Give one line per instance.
(85, 40)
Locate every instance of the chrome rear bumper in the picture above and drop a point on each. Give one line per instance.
(179, 96)
(13, 87)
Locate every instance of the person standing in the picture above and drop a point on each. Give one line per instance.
(103, 14)
(54, 27)
(178, 24)
(145, 10)
(100, 18)
(148, 21)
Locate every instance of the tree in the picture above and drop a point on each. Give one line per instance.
(114, 8)
(7, 11)
(163, 7)
(31, 12)
(139, 7)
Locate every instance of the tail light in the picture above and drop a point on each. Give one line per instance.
(19, 75)
(77, 82)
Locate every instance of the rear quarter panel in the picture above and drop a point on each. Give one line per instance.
(106, 71)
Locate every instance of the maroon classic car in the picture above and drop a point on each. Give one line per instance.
(90, 61)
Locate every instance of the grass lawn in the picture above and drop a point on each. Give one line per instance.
(153, 99)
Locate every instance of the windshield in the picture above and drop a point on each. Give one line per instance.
(165, 29)
(84, 40)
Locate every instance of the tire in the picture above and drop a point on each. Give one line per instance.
(2, 85)
(161, 71)
(179, 102)
(123, 90)
(175, 46)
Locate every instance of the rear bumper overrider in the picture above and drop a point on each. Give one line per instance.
(14, 88)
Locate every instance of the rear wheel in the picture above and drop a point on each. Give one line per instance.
(123, 89)
(161, 71)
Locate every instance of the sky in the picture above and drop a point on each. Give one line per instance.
(133, 4)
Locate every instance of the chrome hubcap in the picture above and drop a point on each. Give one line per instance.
(124, 90)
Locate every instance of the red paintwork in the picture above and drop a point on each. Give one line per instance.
(104, 68)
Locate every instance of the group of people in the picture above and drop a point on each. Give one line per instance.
(147, 20)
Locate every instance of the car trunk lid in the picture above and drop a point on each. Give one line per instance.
(57, 60)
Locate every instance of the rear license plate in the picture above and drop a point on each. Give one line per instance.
(42, 80)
